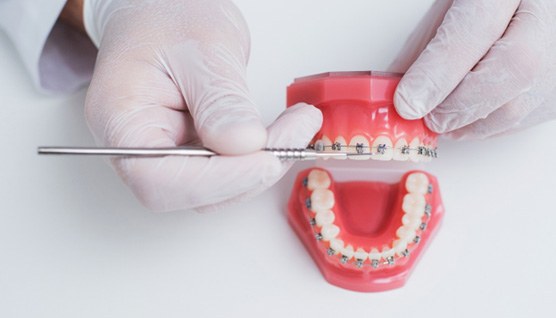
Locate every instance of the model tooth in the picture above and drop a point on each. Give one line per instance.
(405, 233)
(414, 150)
(399, 247)
(401, 150)
(329, 232)
(322, 200)
(382, 149)
(360, 254)
(325, 218)
(418, 183)
(426, 157)
(359, 145)
(339, 145)
(337, 245)
(411, 220)
(318, 179)
(414, 204)
(387, 251)
(326, 143)
(348, 252)
(374, 254)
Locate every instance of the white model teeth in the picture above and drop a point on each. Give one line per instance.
(324, 144)
(339, 145)
(322, 200)
(318, 179)
(414, 204)
(426, 157)
(374, 254)
(417, 183)
(337, 245)
(360, 254)
(387, 252)
(359, 145)
(414, 150)
(401, 150)
(329, 232)
(405, 233)
(382, 149)
(325, 218)
(348, 252)
(411, 220)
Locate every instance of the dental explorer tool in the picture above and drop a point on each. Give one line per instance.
(281, 153)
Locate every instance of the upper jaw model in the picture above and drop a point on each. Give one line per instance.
(364, 235)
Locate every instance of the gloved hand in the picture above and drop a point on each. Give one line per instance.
(489, 69)
(170, 73)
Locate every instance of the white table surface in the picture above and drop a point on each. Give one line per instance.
(75, 243)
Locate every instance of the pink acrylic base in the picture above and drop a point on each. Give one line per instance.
(358, 280)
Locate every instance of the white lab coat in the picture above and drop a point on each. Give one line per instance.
(58, 58)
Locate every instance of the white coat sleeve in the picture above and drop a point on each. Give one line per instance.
(58, 58)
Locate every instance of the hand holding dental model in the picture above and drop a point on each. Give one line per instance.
(171, 73)
(489, 69)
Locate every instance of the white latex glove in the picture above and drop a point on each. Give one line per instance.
(170, 73)
(489, 69)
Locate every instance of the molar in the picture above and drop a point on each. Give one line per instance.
(322, 200)
(411, 220)
(359, 145)
(414, 204)
(417, 183)
(325, 218)
(318, 179)
(382, 149)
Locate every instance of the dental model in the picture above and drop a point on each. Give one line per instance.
(364, 235)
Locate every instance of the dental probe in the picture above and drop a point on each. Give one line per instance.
(281, 153)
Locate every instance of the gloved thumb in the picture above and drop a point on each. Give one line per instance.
(212, 79)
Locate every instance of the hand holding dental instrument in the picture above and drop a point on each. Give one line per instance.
(175, 88)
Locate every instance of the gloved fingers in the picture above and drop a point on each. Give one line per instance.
(508, 70)
(217, 97)
(469, 29)
(176, 183)
(204, 184)
(210, 71)
(420, 37)
(130, 94)
(500, 121)
(294, 128)
(144, 126)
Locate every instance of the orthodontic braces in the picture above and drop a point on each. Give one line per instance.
(375, 263)
(380, 149)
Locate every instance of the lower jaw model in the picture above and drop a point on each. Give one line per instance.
(364, 235)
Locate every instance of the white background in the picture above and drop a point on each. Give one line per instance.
(75, 243)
